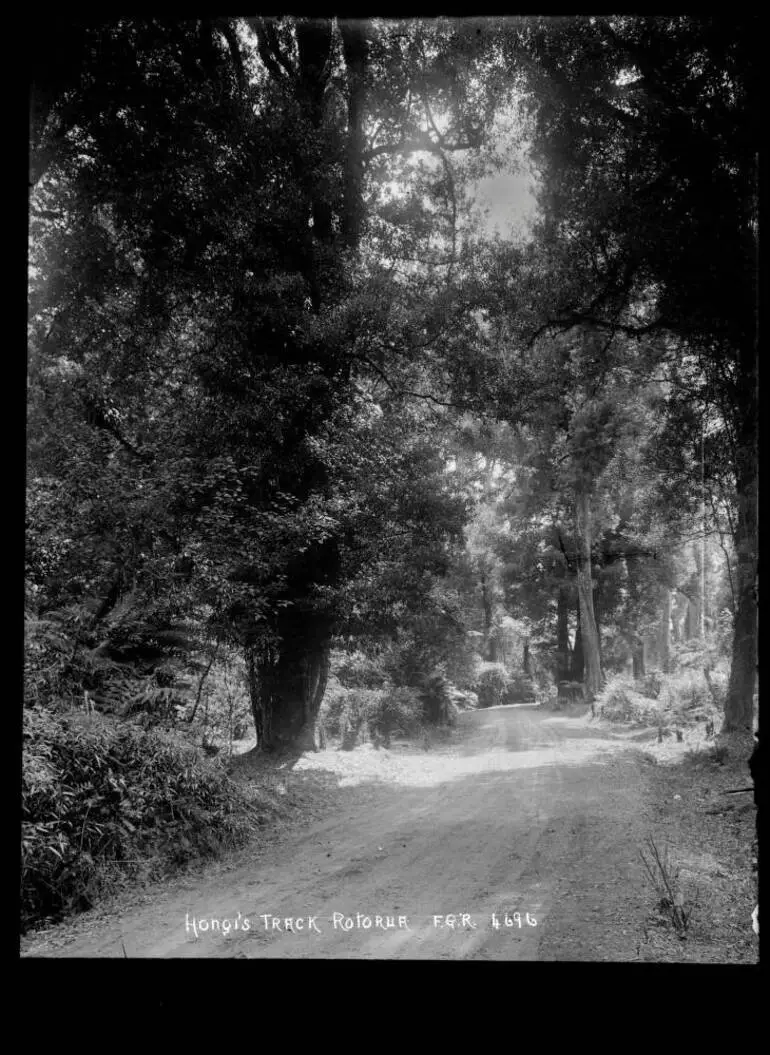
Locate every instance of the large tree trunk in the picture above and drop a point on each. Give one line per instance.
(260, 712)
(598, 624)
(592, 675)
(314, 45)
(355, 50)
(664, 631)
(286, 693)
(316, 674)
(649, 650)
(680, 608)
(696, 611)
(490, 644)
(739, 703)
(637, 660)
(287, 682)
(562, 635)
(692, 621)
(577, 666)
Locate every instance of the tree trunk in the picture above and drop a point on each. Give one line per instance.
(664, 631)
(526, 662)
(562, 635)
(691, 621)
(490, 644)
(637, 659)
(287, 687)
(314, 45)
(739, 703)
(696, 611)
(286, 694)
(355, 50)
(680, 608)
(577, 667)
(260, 711)
(202, 682)
(287, 682)
(592, 675)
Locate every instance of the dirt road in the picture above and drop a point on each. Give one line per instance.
(523, 812)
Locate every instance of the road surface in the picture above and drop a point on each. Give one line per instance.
(518, 839)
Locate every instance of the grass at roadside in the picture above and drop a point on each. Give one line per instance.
(701, 852)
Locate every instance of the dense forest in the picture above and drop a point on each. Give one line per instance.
(316, 455)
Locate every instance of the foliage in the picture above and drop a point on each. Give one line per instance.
(620, 701)
(99, 799)
(683, 697)
(650, 685)
(631, 116)
(224, 709)
(354, 715)
(402, 711)
(694, 693)
(356, 669)
(496, 685)
(220, 433)
(435, 693)
(520, 688)
(285, 394)
(634, 113)
(492, 685)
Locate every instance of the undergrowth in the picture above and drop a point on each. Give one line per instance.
(685, 697)
(355, 714)
(102, 802)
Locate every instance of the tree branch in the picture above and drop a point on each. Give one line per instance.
(724, 551)
(409, 392)
(409, 146)
(450, 183)
(578, 319)
(275, 47)
(225, 27)
(277, 69)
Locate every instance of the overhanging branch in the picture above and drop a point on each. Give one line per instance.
(414, 145)
(580, 319)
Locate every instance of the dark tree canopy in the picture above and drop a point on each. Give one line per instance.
(268, 329)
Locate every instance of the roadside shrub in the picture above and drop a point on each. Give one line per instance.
(100, 802)
(649, 686)
(569, 692)
(377, 714)
(520, 689)
(357, 715)
(616, 706)
(495, 685)
(223, 712)
(463, 701)
(492, 686)
(544, 679)
(357, 670)
(436, 699)
(334, 703)
(461, 663)
(620, 702)
(398, 711)
(693, 691)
